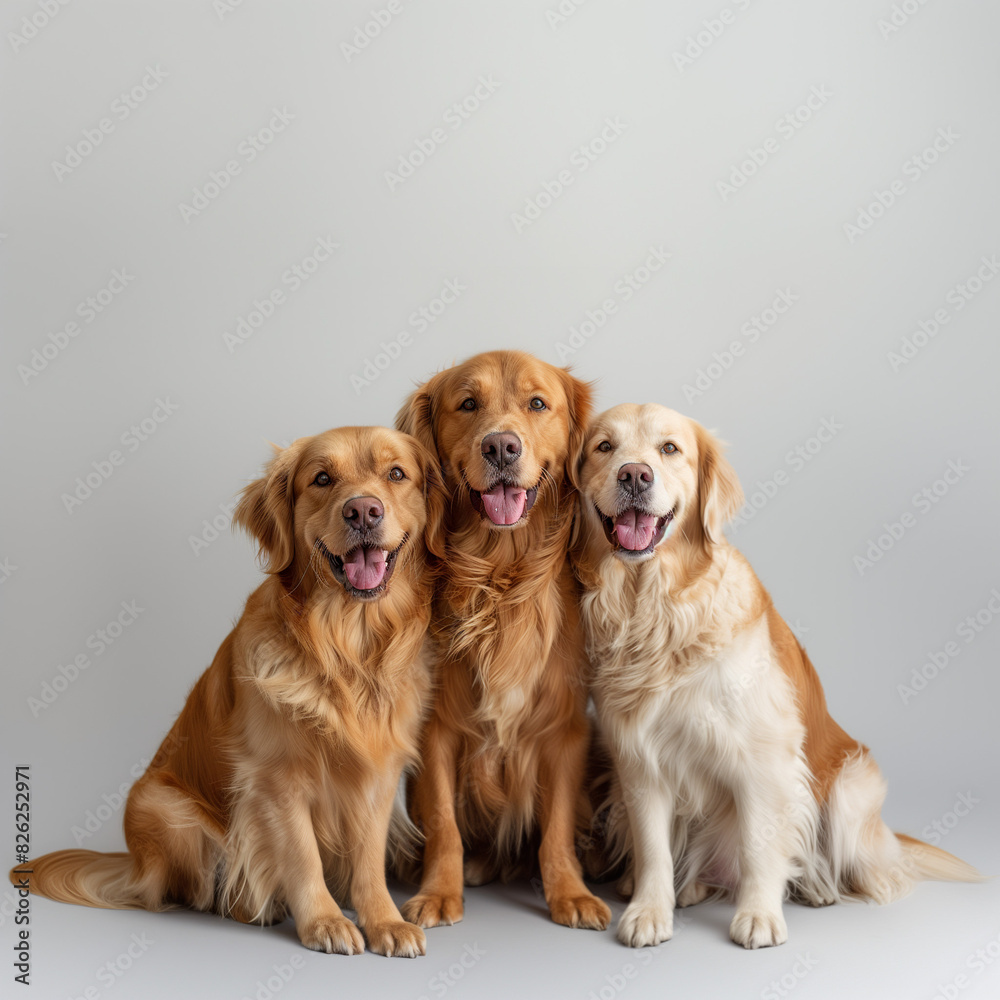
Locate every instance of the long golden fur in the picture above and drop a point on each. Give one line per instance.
(279, 775)
(504, 750)
(731, 774)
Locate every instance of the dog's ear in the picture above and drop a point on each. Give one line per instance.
(436, 502)
(719, 491)
(265, 511)
(416, 416)
(580, 397)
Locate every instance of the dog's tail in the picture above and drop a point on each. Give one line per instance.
(87, 878)
(887, 866)
(931, 863)
(863, 858)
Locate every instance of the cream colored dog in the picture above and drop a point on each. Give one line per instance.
(726, 758)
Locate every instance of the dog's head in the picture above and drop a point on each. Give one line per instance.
(341, 509)
(647, 474)
(503, 425)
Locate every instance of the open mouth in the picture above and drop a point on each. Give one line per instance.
(504, 504)
(635, 532)
(365, 570)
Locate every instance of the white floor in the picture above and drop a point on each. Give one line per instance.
(915, 949)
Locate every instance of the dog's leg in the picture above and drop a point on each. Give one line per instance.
(649, 917)
(386, 931)
(175, 843)
(560, 778)
(283, 836)
(764, 863)
(440, 898)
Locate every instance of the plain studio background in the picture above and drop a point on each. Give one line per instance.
(812, 183)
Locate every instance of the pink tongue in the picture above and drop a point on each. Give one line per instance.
(635, 530)
(504, 504)
(365, 568)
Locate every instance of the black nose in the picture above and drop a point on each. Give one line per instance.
(502, 448)
(635, 477)
(363, 512)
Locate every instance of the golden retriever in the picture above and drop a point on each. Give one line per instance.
(280, 773)
(504, 751)
(725, 756)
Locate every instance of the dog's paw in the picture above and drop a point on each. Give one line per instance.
(878, 888)
(626, 885)
(433, 909)
(580, 911)
(334, 935)
(642, 925)
(693, 892)
(396, 939)
(758, 928)
(478, 871)
(818, 899)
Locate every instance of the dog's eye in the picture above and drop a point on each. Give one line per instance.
(604, 446)
(537, 404)
(468, 404)
(669, 448)
(322, 479)
(396, 474)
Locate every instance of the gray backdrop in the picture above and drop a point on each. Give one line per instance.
(230, 223)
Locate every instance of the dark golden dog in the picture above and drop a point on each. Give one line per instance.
(505, 748)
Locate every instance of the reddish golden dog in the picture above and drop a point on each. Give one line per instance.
(279, 775)
(505, 747)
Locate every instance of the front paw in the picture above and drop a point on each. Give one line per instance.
(431, 909)
(643, 925)
(396, 939)
(334, 935)
(580, 911)
(693, 893)
(758, 928)
(626, 885)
